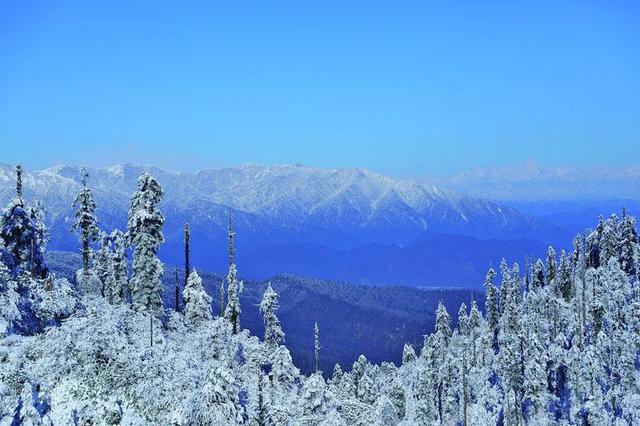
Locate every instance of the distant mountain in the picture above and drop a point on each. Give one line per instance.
(530, 182)
(280, 207)
(353, 319)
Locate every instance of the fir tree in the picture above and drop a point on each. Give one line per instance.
(221, 296)
(119, 261)
(234, 288)
(197, 303)
(145, 234)
(539, 279)
(273, 334)
(233, 310)
(86, 223)
(491, 305)
(609, 240)
(629, 249)
(408, 354)
(564, 282)
(316, 345)
(187, 266)
(551, 266)
(24, 235)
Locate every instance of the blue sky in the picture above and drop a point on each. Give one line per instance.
(405, 88)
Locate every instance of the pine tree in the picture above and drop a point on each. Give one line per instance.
(510, 355)
(86, 223)
(491, 305)
(273, 334)
(234, 288)
(221, 296)
(564, 282)
(408, 354)
(551, 266)
(609, 240)
(119, 261)
(102, 263)
(538, 275)
(629, 244)
(463, 320)
(187, 266)
(23, 235)
(145, 234)
(316, 345)
(197, 303)
(233, 310)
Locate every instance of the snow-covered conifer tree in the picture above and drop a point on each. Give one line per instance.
(491, 304)
(86, 223)
(273, 334)
(119, 261)
(145, 234)
(609, 240)
(187, 266)
(629, 248)
(197, 303)
(316, 345)
(234, 288)
(551, 266)
(408, 354)
(23, 234)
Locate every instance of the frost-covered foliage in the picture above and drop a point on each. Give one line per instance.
(145, 233)
(197, 303)
(273, 334)
(559, 344)
(234, 287)
(85, 223)
(23, 234)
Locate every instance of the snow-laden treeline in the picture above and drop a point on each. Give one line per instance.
(559, 342)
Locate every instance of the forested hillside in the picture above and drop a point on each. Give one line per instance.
(559, 342)
(355, 319)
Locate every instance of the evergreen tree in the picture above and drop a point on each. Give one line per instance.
(408, 354)
(103, 263)
(538, 275)
(551, 266)
(463, 320)
(234, 288)
(629, 249)
(510, 354)
(273, 334)
(491, 305)
(187, 266)
(197, 303)
(119, 261)
(221, 296)
(86, 223)
(233, 310)
(609, 240)
(564, 282)
(24, 235)
(316, 345)
(145, 234)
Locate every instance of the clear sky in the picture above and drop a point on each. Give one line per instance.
(400, 87)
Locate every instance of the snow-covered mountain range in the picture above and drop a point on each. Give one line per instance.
(336, 209)
(530, 181)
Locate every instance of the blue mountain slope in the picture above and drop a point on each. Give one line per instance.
(287, 218)
(353, 319)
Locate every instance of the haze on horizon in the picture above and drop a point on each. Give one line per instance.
(418, 90)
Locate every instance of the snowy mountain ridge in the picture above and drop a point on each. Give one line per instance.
(531, 181)
(286, 208)
(290, 192)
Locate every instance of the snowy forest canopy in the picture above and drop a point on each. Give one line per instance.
(559, 342)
